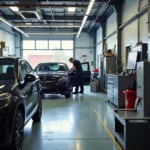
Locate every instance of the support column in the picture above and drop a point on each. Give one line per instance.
(118, 9)
(148, 30)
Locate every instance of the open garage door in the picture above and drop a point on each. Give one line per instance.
(47, 51)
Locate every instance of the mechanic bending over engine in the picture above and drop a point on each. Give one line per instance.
(79, 75)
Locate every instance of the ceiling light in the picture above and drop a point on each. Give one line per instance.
(14, 8)
(70, 24)
(28, 23)
(91, 3)
(8, 23)
(90, 7)
(4, 20)
(71, 9)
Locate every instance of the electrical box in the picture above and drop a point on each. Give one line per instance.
(143, 84)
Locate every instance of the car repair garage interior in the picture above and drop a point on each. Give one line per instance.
(48, 48)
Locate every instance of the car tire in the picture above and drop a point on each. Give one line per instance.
(18, 132)
(38, 115)
(68, 95)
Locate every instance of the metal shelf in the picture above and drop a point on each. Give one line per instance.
(120, 137)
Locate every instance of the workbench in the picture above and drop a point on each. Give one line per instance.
(132, 130)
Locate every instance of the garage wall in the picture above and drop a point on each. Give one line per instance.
(8, 36)
(84, 49)
(111, 24)
(130, 32)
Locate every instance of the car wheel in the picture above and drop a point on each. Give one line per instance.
(68, 95)
(18, 132)
(38, 115)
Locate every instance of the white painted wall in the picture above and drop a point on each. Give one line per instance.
(130, 9)
(111, 42)
(129, 36)
(144, 28)
(84, 45)
(99, 35)
(111, 25)
(7, 35)
(129, 33)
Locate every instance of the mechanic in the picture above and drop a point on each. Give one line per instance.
(79, 75)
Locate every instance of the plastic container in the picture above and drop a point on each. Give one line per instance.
(95, 69)
(130, 98)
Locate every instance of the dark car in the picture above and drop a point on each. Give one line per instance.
(19, 100)
(55, 77)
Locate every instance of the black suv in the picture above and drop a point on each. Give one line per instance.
(19, 100)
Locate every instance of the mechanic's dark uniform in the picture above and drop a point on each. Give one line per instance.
(79, 76)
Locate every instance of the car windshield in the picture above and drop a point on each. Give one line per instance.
(6, 69)
(51, 67)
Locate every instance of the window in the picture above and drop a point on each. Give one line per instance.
(36, 57)
(28, 44)
(85, 67)
(22, 70)
(29, 68)
(41, 44)
(7, 69)
(54, 45)
(67, 44)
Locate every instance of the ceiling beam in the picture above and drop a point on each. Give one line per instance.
(63, 1)
(43, 5)
(52, 25)
(49, 18)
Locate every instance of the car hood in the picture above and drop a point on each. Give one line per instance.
(52, 74)
(6, 85)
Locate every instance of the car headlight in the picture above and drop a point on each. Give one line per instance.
(62, 80)
(4, 99)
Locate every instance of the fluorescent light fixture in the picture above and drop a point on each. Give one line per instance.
(91, 3)
(53, 33)
(14, 8)
(71, 9)
(69, 24)
(7, 22)
(90, 7)
(28, 23)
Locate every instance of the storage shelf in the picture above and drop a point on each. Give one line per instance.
(120, 137)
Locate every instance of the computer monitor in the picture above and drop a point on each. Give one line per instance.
(132, 60)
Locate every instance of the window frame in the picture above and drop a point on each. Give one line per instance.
(41, 48)
(67, 48)
(29, 48)
(53, 48)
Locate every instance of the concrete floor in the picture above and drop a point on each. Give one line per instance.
(72, 124)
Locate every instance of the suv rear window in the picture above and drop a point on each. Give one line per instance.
(7, 69)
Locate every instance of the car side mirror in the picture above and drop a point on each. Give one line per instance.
(30, 78)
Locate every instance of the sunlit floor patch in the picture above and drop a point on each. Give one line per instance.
(53, 96)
